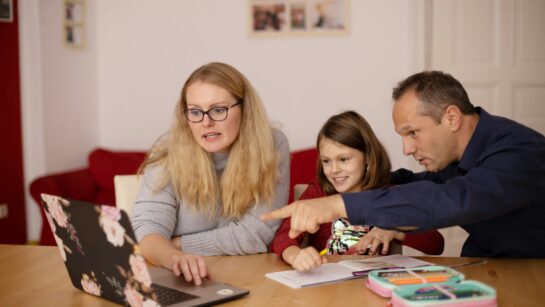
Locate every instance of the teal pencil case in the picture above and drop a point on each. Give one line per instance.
(383, 282)
(467, 293)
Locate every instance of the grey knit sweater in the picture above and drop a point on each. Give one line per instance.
(165, 214)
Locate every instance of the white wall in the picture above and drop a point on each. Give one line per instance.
(59, 96)
(69, 84)
(31, 107)
(147, 50)
(119, 91)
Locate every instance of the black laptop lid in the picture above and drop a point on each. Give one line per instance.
(99, 249)
(102, 257)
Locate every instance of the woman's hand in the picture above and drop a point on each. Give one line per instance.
(167, 253)
(192, 266)
(375, 238)
(304, 259)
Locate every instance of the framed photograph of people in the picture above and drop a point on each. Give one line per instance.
(6, 11)
(297, 17)
(74, 23)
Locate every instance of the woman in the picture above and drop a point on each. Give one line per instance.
(352, 159)
(208, 180)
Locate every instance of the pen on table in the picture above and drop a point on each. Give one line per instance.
(323, 252)
(366, 272)
(468, 263)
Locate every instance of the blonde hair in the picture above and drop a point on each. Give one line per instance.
(251, 171)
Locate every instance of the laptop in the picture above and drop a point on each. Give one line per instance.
(101, 254)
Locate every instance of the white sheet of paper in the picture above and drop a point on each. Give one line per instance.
(325, 273)
(333, 272)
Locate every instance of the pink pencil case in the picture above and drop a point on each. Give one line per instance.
(383, 282)
(467, 293)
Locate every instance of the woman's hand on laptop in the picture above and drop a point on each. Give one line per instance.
(161, 251)
(192, 266)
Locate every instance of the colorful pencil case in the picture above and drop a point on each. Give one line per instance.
(467, 293)
(383, 281)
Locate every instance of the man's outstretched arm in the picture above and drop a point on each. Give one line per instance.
(307, 215)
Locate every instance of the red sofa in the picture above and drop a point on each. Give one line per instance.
(96, 182)
(302, 168)
(93, 184)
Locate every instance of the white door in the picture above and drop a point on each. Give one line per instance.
(496, 49)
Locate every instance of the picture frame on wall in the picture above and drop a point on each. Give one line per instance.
(74, 23)
(298, 17)
(6, 11)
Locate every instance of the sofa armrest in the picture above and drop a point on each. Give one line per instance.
(76, 184)
(302, 168)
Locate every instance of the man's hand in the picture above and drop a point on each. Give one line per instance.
(307, 215)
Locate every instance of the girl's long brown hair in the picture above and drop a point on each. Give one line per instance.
(351, 129)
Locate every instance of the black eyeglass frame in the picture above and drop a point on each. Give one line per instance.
(203, 113)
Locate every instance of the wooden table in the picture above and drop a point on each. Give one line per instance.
(36, 276)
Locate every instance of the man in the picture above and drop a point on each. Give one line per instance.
(484, 173)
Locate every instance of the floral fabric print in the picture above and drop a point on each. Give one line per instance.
(109, 220)
(90, 285)
(54, 207)
(88, 251)
(344, 235)
(140, 270)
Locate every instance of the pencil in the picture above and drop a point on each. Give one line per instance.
(418, 276)
(468, 263)
(323, 252)
(410, 281)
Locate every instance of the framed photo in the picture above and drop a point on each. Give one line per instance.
(74, 23)
(298, 17)
(6, 11)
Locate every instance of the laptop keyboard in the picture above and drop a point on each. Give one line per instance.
(168, 296)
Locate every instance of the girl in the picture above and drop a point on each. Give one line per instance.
(352, 159)
(208, 180)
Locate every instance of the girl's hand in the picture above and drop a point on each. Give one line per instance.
(375, 238)
(307, 259)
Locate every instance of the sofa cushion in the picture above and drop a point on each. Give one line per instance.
(303, 168)
(105, 164)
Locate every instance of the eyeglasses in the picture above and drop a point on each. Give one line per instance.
(216, 113)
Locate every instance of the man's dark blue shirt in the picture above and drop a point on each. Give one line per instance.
(496, 192)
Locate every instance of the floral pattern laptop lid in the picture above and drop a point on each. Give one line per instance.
(101, 253)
